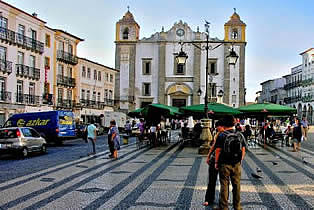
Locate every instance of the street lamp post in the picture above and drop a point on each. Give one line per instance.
(181, 58)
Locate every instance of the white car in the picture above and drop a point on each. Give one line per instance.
(21, 141)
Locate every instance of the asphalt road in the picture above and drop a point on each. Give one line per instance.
(11, 167)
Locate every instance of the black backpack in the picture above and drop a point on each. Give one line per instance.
(233, 146)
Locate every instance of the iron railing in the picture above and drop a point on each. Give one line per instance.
(28, 72)
(27, 99)
(66, 81)
(5, 96)
(65, 103)
(67, 57)
(6, 66)
(21, 40)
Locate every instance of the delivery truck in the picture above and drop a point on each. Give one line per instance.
(54, 126)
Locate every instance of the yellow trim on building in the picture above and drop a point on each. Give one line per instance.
(243, 33)
(118, 32)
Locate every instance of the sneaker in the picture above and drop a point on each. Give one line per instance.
(110, 156)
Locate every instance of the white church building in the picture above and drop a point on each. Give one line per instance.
(149, 72)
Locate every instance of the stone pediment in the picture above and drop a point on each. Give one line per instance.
(171, 34)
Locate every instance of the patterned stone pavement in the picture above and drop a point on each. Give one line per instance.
(169, 177)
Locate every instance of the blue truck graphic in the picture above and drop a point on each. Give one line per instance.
(54, 126)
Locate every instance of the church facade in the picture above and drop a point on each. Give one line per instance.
(149, 72)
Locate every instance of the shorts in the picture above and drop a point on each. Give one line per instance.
(294, 140)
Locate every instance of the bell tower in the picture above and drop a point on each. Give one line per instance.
(127, 28)
(235, 29)
(127, 36)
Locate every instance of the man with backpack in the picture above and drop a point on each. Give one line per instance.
(230, 151)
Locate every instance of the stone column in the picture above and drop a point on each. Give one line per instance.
(206, 136)
(162, 72)
(242, 75)
(226, 75)
(196, 74)
(132, 60)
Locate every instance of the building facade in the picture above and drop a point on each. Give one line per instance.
(273, 91)
(22, 49)
(150, 74)
(299, 86)
(65, 69)
(39, 69)
(94, 90)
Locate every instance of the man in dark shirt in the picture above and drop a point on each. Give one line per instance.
(229, 168)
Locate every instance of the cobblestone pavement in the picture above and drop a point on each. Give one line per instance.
(169, 177)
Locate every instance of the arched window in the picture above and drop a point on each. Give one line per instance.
(126, 33)
(234, 34)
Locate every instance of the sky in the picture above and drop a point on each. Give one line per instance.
(277, 30)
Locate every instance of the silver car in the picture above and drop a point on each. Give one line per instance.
(21, 140)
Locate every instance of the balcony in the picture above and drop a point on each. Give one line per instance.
(307, 82)
(27, 99)
(7, 35)
(293, 84)
(91, 104)
(21, 40)
(27, 72)
(67, 57)
(5, 97)
(65, 81)
(293, 99)
(29, 43)
(307, 99)
(108, 102)
(6, 66)
(65, 103)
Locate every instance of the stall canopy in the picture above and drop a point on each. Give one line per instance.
(137, 113)
(262, 109)
(214, 110)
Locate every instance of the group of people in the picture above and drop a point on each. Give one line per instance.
(224, 158)
(113, 139)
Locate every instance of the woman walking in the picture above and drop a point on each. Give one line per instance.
(212, 172)
(115, 138)
(297, 135)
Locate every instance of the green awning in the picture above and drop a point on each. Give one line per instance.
(136, 113)
(267, 109)
(214, 110)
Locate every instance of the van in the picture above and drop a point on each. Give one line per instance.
(54, 126)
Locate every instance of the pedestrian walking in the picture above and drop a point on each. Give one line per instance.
(128, 128)
(230, 151)
(115, 139)
(212, 172)
(296, 135)
(91, 138)
(305, 127)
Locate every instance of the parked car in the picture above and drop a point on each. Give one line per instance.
(21, 141)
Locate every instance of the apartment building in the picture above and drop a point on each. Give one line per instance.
(94, 90)
(65, 69)
(22, 52)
